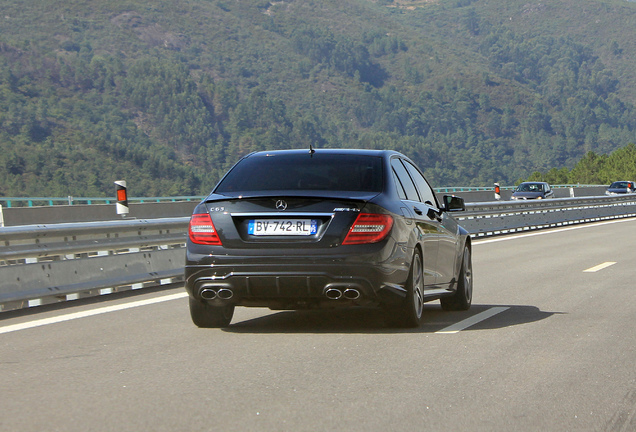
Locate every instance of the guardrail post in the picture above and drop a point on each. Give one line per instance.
(1, 217)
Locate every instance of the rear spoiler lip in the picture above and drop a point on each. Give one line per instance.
(339, 195)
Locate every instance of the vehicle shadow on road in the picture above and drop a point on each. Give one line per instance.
(365, 320)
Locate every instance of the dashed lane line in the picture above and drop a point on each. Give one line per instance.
(599, 267)
(468, 322)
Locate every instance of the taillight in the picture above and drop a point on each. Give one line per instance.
(201, 230)
(369, 228)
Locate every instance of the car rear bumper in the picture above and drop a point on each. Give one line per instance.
(285, 282)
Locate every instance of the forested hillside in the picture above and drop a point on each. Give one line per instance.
(167, 94)
(594, 169)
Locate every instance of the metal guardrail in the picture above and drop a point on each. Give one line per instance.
(506, 217)
(42, 264)
(455, 189)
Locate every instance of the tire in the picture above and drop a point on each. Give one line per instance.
(409, 313)
(463, 297)
(207, 316)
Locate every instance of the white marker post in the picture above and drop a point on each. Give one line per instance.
(122, 198)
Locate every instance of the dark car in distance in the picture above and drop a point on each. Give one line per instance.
(620, 187)
(532, 190)
(298, 229)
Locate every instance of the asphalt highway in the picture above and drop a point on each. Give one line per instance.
(549, 345)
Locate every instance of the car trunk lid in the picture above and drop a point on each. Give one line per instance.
(280, 221)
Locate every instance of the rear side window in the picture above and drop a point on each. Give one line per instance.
(426, 193)
(405, 181)
(398, 185)
(297, 171)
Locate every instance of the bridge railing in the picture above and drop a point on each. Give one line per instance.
(42, 264)
(10, 202)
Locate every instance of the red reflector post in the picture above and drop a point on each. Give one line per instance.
(122, 198)
(201, 230)
(369, 228)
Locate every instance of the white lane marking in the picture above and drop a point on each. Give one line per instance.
(468, 322)
(599, 267)
(88, 313)
(551, 231)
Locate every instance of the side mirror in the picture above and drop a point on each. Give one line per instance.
(453, 203)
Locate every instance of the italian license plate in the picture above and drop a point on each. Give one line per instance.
(270, 227)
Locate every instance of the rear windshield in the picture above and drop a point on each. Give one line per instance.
(297, 172)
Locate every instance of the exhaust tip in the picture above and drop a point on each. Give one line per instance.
(333, 294)
(351, 294)
(208, 294)
(225, 294)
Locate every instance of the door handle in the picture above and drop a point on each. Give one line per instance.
(418, 211)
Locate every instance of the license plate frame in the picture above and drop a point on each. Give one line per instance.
(282, 227)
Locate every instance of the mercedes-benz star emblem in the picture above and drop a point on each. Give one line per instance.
(281, 205)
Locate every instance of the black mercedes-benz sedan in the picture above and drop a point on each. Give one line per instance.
(296, 229)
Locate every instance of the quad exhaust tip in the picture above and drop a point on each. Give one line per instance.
(221, 294)
(348, 293)
(332, 293)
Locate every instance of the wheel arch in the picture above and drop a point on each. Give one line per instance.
(466, 242)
